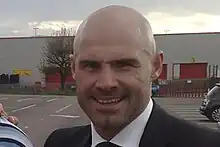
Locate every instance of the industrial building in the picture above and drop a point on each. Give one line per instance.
(186, 56)
(201, 50)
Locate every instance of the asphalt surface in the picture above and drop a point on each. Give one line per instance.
(40, 115)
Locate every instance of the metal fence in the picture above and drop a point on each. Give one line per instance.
(195, 88)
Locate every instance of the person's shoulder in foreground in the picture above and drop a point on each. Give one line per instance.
(162, 130)
(11, 135)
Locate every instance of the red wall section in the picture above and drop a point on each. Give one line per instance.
(193, 70)
(163, 75)
(55, 78)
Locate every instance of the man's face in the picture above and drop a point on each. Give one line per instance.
(112, 80)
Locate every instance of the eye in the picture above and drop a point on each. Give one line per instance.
(123, 65)
(126, 64)
(90, 65)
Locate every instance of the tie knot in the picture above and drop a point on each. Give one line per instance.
(106, 144)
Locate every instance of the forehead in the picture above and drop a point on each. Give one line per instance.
(108, 52)
(109, 44)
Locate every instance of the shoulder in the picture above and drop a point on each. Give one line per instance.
(184, 132)
(178, 123)
(67, 135)
(192, 134)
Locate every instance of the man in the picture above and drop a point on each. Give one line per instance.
(114, 62)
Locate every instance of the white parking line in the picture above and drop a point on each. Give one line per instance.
(51, 100)
(66, 116)
(191, 115)
(4, 98)
(26, 99)
(63, 108)
(23, 108)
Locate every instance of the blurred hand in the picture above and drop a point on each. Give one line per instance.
(11, 119)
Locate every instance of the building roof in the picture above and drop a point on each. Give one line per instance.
(198, 33)
(29, 37)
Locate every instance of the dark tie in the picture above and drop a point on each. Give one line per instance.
(106, 144)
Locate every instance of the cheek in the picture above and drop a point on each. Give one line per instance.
(137, 82)
(144, 74)
(137, 77)
(84, 81)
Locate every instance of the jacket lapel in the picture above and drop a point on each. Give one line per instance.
(87, 139)
(157, 129)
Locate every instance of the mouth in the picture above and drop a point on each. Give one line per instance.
(108, 100)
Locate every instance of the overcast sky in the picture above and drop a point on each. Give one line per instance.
(19, 17)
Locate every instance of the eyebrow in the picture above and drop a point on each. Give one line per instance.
(88, 61)
(126, 60)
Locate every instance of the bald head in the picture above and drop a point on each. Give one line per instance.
(116, 24)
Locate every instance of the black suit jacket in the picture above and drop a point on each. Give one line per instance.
(162, 130)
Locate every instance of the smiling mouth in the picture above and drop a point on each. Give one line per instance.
(108, 100)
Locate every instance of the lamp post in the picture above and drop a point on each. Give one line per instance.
(35, 31)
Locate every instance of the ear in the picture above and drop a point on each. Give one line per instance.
(72, 65)
(157, 65)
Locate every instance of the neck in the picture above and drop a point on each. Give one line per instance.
(108, 132)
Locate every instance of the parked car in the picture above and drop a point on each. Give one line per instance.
(210, 106)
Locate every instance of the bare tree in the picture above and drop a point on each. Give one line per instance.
(55, 55)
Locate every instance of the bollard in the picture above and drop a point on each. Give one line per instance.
(182, 93)
(200, 92)
(187, 93)
(197, 93)
(190, 94)
(193, 93)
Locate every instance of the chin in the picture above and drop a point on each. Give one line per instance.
(109, 122)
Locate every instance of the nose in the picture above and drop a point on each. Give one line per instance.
(107, 79)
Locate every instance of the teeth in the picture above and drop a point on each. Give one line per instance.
(108, 101)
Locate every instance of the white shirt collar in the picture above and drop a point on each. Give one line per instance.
(128, 137)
